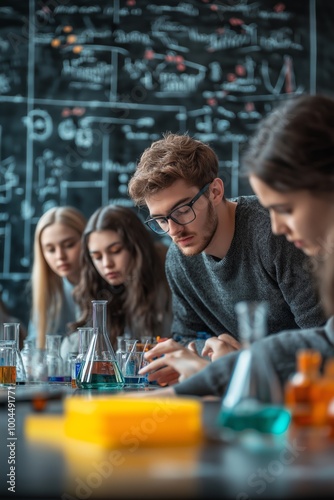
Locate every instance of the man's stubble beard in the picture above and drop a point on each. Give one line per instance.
(211, 225)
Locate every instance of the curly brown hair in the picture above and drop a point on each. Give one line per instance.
(169, 159)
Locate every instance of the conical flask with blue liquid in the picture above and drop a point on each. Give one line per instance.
(254, 397)
(99, 369)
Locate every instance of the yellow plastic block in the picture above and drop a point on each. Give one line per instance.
(120, 421)
(45, 429)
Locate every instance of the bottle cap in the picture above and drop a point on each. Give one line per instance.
(308, 359)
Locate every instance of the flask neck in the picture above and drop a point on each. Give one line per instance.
(100, 316)
(252, 321)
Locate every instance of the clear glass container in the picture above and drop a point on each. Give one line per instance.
(11, 331)
(133, 361)
(27, 357)
(254, 398)
(120, 352)
(85, 337)
(55, 363)
(68, 363)
(39, 371)
(100, 369)
(7, 363)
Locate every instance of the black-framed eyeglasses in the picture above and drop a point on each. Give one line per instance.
(181, 215)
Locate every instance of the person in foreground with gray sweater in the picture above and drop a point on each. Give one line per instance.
(290, 164)
(223, 251)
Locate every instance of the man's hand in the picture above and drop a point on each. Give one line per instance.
(158, 368)
(174, 362)
(216, 347)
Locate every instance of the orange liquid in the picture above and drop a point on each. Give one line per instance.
(7, 375)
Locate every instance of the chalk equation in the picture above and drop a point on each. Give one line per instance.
(85, 88)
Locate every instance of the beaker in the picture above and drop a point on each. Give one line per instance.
(254, 397)
(56, 368)
(100, 369)
(27, 354)
(133, 362)
(11, 331)
(39, 371)
(7, 363)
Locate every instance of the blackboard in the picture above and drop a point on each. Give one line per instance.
(86, 87)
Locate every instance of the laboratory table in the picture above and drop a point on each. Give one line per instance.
(299, 464)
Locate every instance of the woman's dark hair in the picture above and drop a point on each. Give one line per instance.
(325, 275)
(133, 304)
(293, 148)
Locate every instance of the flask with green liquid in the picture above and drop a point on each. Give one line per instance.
(254, 398)
(99, 369)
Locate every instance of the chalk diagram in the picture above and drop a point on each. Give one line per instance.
(91, 95)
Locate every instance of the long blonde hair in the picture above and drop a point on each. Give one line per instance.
(46, 285)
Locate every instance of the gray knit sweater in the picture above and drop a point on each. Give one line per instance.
(258, 266)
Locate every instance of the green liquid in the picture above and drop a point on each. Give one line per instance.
(104, 375)
(265, 419)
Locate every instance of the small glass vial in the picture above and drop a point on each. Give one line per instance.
(27, 357)
(68, 366)
(39, 370)
(120, 352)
(56, 369)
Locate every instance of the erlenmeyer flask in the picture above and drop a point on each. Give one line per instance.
(99, 368)
(254, 397)
(11, 331)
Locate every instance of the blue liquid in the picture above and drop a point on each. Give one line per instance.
(135, 381)
(77, 369)
(56, 379)
(265, 419)
(98, 381)
(103, 375)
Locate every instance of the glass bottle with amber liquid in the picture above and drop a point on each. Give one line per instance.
(99, 368)
(297, 391)
(322, 394)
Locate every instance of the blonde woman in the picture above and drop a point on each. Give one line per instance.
(55, 272)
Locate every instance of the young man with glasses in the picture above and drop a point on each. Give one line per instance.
(222, 251)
